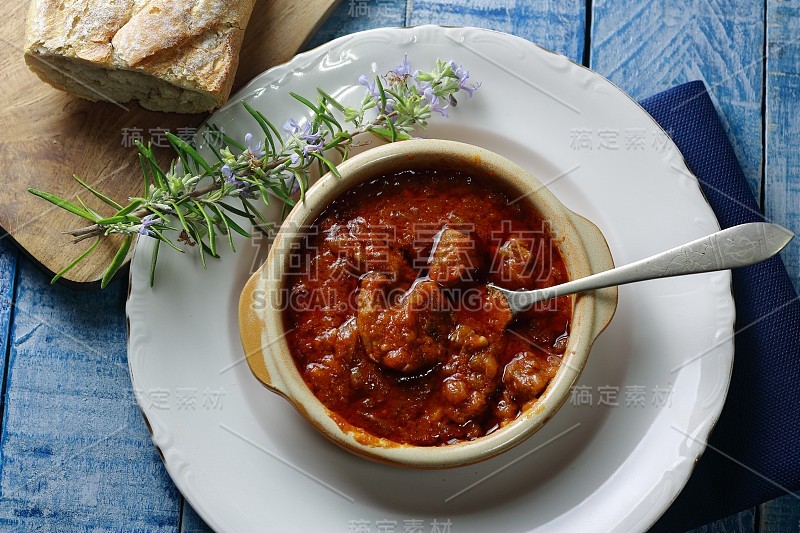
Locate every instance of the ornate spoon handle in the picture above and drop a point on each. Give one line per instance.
(734, 247)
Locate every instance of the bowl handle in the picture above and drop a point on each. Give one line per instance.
(600, 259)
(250, 329)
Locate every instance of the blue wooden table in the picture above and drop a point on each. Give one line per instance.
(75, 453)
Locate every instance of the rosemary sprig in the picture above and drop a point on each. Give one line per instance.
(191, 200)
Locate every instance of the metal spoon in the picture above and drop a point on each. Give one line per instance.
(734, 247)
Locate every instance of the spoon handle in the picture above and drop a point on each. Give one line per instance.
(735, 247)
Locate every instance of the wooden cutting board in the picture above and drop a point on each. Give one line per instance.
(47, 135)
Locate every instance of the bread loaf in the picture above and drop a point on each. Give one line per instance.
(170, 55)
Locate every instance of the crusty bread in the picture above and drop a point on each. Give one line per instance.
(170, 55)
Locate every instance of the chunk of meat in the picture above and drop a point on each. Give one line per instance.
(359, 249)
(409, 335)
(526, 376)
(454, 257)
(472, 371)
(515, 264)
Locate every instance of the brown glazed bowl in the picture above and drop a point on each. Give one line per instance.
(582, 246)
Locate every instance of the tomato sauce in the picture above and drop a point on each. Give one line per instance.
(389, 318)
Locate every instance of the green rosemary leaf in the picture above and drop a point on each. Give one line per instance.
(331, 100)
(204, 246)
(212, 147)
(262, 121)
(97, 193)
(275, 131)
(186, 167)
(264, 194)
(234, 210)
(146, 173)
(153, 261)
(227, 227)
(255, 212)
(228, 140)
(163, 227)
(381, 91)
(116, 219)
(182, 219)
(392, 129)
(236, 227)
(335, 143)
(212, 234)
(76, 261)
(328, 163)
(156, 172)
(166, 240)
(303, 185)
(305, 102)
(381, 133)
(394, 94)
(283, 194)
(179, 143)
(158, 213)
(194, 234)
(117, 262)
(136, 202)
(63, 203)
(88, 209)
(331, 122)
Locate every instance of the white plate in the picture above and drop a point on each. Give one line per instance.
(247, 461)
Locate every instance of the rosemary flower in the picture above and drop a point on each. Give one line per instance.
(147, 221)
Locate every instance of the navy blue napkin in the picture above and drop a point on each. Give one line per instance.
(753, 454)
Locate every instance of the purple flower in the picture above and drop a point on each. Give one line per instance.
(257, 150)
(147, 221)
(312, 141)
(434, 102)
(242, 187)
(403, 69)
(372, 88)
(227, 171)
(303, 132)
(308, 148)
(463, 76)
(309, 136)
(291, 127)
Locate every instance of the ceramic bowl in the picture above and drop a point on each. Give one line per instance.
(582, 246)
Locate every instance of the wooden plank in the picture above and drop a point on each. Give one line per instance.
(359, 15)
(76, 454)
(8, 270)
(646, 47)
(63, 134)
(743, 522)
(558, 26)
(782, 176)
(781, 515)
